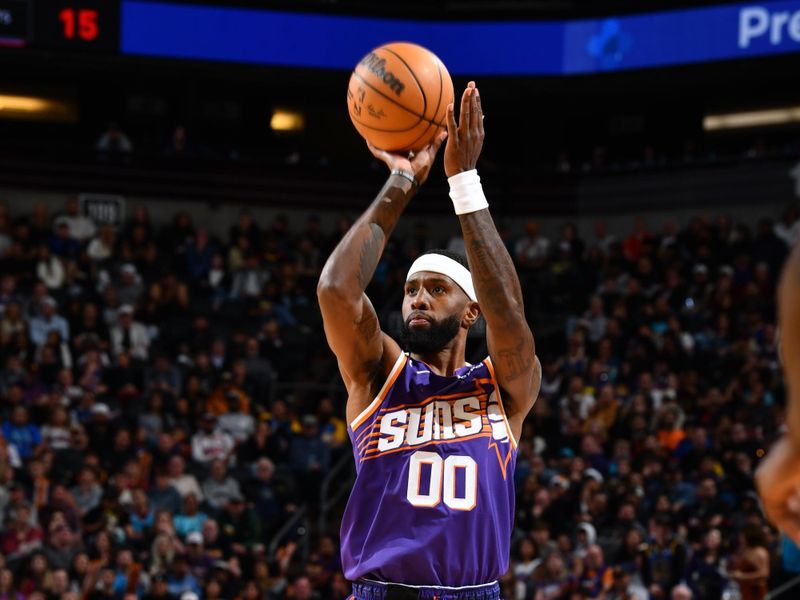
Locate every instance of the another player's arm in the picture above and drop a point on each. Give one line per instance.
(789, 333)
(778, 475)
(509, 338)
(351, 325)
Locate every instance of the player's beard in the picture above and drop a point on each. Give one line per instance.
(426, 340)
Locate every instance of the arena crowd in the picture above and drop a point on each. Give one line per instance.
(166, 406)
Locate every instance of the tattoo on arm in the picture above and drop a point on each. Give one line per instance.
(493, 271)
(386, 212)
(517, 361)
(357, 255)
(371, 251)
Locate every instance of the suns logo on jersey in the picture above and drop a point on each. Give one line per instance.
(441, 420)
(434, 421)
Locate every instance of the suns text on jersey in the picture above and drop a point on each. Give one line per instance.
(442, 420)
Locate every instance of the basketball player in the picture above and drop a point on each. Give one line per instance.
(434, 438)
(778, 475)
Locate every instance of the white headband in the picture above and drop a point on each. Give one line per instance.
(438, 263)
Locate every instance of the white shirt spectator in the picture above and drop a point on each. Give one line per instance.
(97, 250)
(57, 438)
(187, 484)
(80, 228)
(48, 321)
(218, 493)
(532, 249)
(129, 335)
(51, 272)
(240, 425)
(207, 447)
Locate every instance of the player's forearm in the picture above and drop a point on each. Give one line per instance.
(493, 274)
(351, 265)
(789, 331)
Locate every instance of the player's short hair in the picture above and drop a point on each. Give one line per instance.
(459, 258)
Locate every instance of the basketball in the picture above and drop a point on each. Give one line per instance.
(398, 96)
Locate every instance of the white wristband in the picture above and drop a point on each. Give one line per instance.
(466, 192)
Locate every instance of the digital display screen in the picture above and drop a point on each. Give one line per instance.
(77, 24)
(475, 48)
(572, 47)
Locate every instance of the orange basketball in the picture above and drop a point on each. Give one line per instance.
(398, 96)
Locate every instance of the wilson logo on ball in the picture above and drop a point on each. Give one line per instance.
(377, 66)
(375, 113)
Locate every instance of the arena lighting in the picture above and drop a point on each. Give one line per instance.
(287, 120)
(36, 108)
(756, 118)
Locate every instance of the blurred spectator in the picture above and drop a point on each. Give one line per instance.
(113, 141)
(103, 246)
(190, 519)
(25, 436)
(47, 321)
(210, 443)
(220, 487)
(80, 227)
(87, 492)
(185, 483)
(163, 496)
(129, 336)
(23, 536)
(240, 528)
(531, 251)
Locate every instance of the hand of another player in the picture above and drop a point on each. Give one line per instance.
(465, 138)
(417, 164)
(778, 483)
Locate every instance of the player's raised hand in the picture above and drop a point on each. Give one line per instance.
(465, 138)
(419, 164)
(778, 482)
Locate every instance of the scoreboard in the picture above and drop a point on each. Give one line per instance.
(220, 31)
(86, 25)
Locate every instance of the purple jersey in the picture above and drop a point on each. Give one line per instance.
(433, 501)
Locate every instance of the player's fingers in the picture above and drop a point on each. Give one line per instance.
(451, 123)
(377, 152)
(437, 142)
(479, 116)
(474, 111)
(464, 115)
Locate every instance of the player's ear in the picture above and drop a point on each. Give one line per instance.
(472, 314)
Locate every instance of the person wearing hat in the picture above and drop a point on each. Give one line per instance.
(129, 336)
(240, 527)
(129, 287)
(159, 589)
(199, 560)
(309, 456)
(180, 579)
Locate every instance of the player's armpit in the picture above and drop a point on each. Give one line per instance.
(518, 373)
